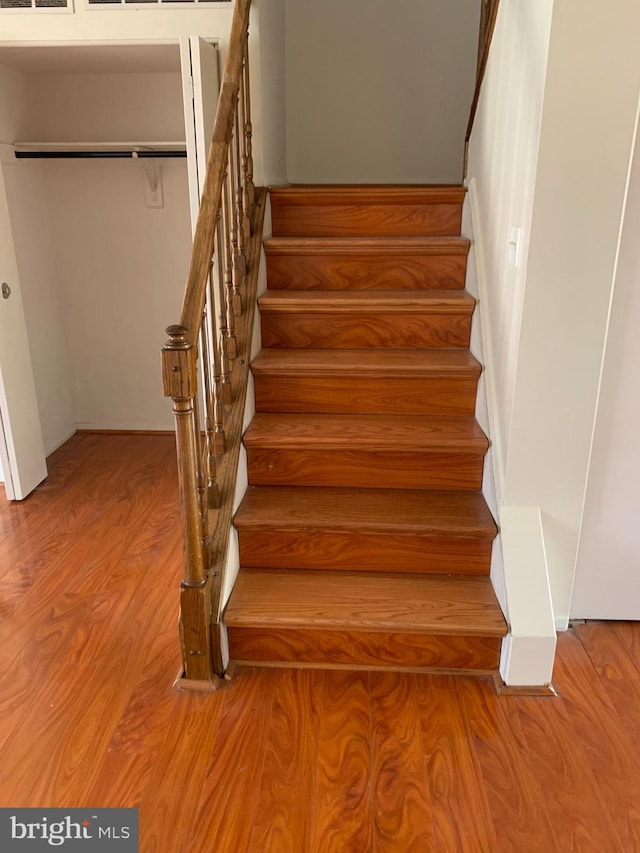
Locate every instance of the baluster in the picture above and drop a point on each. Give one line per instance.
(232, 345)
(218, 408)
(180, 383)
(212, 493)
(239, 265)
(242, 180)
(241, 218)
(248, 130)
(222, 315)
(201, 461)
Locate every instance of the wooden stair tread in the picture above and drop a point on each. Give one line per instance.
(361, 601)
(376, 363)
(367, 245)
(372, 432)
(399, 511)
(360, 301)
(368, 194)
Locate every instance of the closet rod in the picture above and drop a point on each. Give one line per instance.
(93, 155)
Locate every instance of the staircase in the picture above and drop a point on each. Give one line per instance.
(364, 538)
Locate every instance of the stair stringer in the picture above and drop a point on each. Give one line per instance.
(519, 572)
(232, 562)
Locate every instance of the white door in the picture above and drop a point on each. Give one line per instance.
(200, 86)
(607, 580)
(22, 451)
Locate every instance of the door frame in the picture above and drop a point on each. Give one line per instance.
(10, 471)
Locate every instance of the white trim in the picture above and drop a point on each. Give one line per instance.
(139, 5)
(487, 346)
(528, 651)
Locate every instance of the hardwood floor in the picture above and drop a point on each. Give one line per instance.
(282, 760)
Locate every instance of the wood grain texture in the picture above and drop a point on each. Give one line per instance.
(504, 761)
(375, 510)
(362, 649)
(428, 382)
(365, 530)
(407, 603)
(364, 301)
(344, 815)
(365, 468)
(384, 271)
(359, 217)
(352, 395)
(118, 735)
(284, 823)
(403, 814)
(365, 451)
(309, 548)
(346, 331)
(460, 810)
(375, 432)
(228, 811)
(330, 194)
(615, 757)
(340, 265)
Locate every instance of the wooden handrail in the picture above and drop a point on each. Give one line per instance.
(488, 18)
(205, 361)
(203, 241)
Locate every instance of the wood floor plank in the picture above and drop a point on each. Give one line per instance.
(509, 787)
(403, 817)
(613, 760)
(179, 772)
(285, 818)
(227, 811)
(629, 634)
(561, 769)
(344, 814)
(88, 714)
(607, 651)
(462, 820)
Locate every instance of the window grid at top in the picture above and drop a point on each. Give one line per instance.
(36, 6)
(151, 4)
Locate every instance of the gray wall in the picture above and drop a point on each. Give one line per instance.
(378, 90)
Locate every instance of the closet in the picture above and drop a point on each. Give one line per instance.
(102, 159)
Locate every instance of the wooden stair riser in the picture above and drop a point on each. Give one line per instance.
(365, 468)
(345, 331)
(364, 395)
(369, 272)
(364, 551)
(361, 649)
(365, 220)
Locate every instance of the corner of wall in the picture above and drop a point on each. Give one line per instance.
(519, 572)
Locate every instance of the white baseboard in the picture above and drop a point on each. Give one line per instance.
(528, 651)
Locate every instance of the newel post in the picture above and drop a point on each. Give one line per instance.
(180, 383)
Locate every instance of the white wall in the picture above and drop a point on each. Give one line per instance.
(104, 107)
(379, 91)
(588, 125)
(122, 268)
(102, 273)
(268, 25)
(607, 572)
(503, 157)
(161, 25)
(555, 162)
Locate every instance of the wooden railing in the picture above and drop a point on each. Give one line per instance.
(205, 360)
(488, 17)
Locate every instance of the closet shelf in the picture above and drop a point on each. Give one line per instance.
(91, 150)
